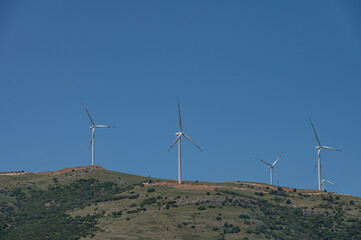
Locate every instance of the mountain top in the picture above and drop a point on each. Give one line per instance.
(91, 202)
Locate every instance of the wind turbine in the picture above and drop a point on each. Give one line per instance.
(93, 127)
(318, 161)
(272, 169)
(323, 181)
(178, 139)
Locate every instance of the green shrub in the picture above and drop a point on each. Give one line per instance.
(244, 216)
(173, 203)
(236, 229)
(151, 190)
(133, 211)
(274, 192)
(149, 201)
(351, 220)
(201, 207)
(116, 214)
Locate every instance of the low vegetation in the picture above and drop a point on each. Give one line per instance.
(87, 204)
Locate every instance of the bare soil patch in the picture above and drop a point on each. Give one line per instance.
(64, 170)
(183, 186)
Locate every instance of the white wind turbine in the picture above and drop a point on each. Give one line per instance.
(323, 181)
(93, 127)
(272, 169)
(318, 161)
(178, 139)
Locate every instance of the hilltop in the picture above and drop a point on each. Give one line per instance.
(91, 202)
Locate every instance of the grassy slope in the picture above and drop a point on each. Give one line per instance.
(43, 180)
(171, 212)
(186, 221)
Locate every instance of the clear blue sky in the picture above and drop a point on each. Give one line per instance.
(248, 74)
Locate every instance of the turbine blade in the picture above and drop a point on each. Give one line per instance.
(330, 182)
(193, 142)
(323, 175)
(175, 141)
(274, 171)
(318, 158)
(88, 114)
(331, 148)
(264, 162)
(91, 140)
(103, 126)
(277, 160)
(315, 133)
(180, 119)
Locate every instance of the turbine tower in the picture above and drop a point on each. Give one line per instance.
(93, 127)
(178, 139)
(318, 161)
(272, 169)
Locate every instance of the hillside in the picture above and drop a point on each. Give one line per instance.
(93, 203)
